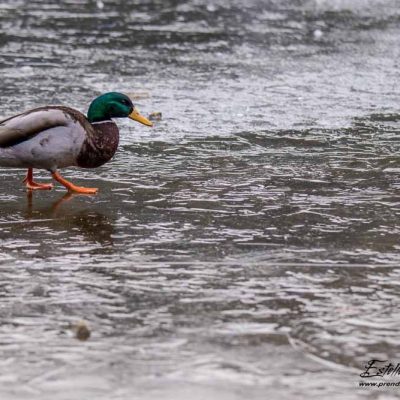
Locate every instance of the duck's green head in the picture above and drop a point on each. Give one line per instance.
(114, 105)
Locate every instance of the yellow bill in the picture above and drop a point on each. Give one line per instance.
(136, 116)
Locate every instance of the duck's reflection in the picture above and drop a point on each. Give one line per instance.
(54, 206)
(94, 225)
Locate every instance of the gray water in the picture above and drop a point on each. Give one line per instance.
(247, 246)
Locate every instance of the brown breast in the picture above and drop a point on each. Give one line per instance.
(99, 146)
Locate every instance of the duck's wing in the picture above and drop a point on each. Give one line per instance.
(24, 126)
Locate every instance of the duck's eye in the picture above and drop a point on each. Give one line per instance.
(126, 102)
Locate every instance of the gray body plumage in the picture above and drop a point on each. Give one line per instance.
(47, 138)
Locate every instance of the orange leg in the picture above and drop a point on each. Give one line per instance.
(71, 187)
(31, 185)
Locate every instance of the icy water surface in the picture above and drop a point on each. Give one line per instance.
(245, 247)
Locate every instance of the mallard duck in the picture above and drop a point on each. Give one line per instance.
(54, 137)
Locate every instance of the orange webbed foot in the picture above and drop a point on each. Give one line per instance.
(31, 185)
(71, 187)
(38, 186)
(82, 190)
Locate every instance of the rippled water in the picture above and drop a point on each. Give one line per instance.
(245, 247)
